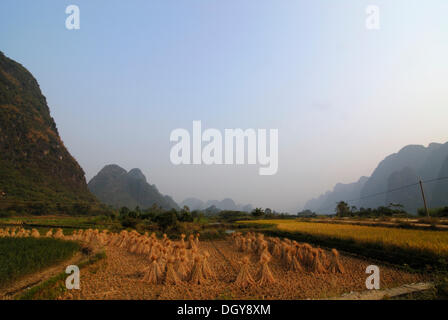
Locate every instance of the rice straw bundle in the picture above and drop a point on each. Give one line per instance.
(308, 257)
(335, 264)
(193, 253)
(141, 246)
(77, 235)
(197, 275)
(249, 245)
(164, 239)
(243, 247)
(191, 242)
(182, 267)
(20, 233)
(238, 241)
(153, 272)
(317, 266)
(176, 250)
(266, 276)
(276, 251)
(182, 241)
(154, 250)
(244, 279)
(323, 257)
(284, 249)
(208, 273)
(35, 233)
(196, 240)
(262, 246)
(133, 247)
(287, 261)
(171, 276)
(146, 248)
(295, 266)
(58, 234)
(299, 254)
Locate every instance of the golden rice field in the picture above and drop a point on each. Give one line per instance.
(435, 242)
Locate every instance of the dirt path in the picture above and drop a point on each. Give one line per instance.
(392, 292)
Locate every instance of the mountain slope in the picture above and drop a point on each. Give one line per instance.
(410, 197)
(115, 186)
(406, 167)
(326, 203)
(439, 193)
(34, 163)
(412, 156)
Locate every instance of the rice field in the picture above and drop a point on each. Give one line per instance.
(434, 242)
(21, 256)
(243, 266)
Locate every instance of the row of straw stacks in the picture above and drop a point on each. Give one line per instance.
(294, 256)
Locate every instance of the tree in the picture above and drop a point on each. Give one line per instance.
(185, 214)
(166, 219)
(306, 213)
(257, 212)
(397, 208)
(137, 210)
(124, 211)
(342, 209)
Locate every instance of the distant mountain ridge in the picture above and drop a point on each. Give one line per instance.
(327, 202)
(34, 163)
(115, 186)
(225, 204)
(405, 167)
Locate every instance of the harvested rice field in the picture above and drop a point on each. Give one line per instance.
(124, 275)
(242, 266)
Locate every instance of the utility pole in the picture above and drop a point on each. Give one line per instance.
(424, 198)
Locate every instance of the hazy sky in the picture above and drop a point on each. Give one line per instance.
(343, 97)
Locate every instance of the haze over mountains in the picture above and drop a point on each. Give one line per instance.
(407, 167)
(225, 204)
(116, 187)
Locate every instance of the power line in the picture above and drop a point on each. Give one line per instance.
(399, 188)
(392, 190)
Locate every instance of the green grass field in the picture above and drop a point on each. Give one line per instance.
(56, 221)
(21, 256)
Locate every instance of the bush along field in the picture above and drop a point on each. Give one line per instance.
(418, 249)
(22, 256)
